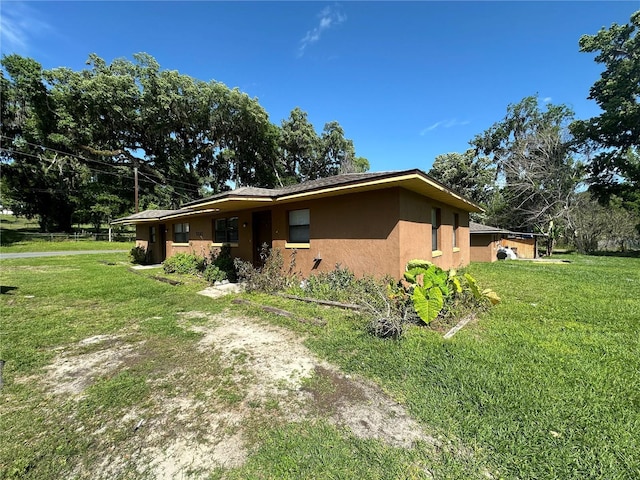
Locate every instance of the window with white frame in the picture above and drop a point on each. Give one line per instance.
(226, 230)
(181, 233)
(299, 226)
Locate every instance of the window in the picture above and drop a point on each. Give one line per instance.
(181, 233)
(226, 230)
(456, 226)
(152, 234)
(299, 226)
(435, 228)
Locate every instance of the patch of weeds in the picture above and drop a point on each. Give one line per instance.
(268, 278)
(230, 393)
(167, 326)
(124, 389)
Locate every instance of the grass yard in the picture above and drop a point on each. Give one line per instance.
(545, 385)
(18, 235)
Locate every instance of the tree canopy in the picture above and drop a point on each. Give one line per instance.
(534, 155)
(467, 173)
(615, 133)
(72, 139)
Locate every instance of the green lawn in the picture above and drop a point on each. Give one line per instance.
(545, 385)
(18, 235)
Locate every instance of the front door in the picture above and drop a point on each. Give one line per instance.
(162, 233)
(261, 223)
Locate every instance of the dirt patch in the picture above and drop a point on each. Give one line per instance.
(269, 373)
(74, 370)
(362, 407)
(282, 365)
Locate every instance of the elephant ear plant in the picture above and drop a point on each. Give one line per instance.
(434, 291)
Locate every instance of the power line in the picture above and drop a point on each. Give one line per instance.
(186, 195)
(78, 157)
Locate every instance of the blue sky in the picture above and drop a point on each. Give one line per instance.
(406, 80)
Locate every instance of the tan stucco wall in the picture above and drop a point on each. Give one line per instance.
(359, 231)
(415, 232)
(371, 233)
(484, 247)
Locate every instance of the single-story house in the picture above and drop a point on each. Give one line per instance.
(487, 240)
(372, 223)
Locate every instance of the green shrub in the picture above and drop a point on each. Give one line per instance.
(425, 293)
(224, 262)
(139, 255)
(337, 285)
(184, 263)
(213, 274)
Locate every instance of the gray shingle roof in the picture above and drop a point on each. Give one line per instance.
(309, 186)
(475, 227)
(243, 193)
(148, 215)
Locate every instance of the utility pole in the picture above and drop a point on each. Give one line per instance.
(135, 177)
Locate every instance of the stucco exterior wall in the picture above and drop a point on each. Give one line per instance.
(415, 232)
(358, 231)
(371, 233)
(484, 247)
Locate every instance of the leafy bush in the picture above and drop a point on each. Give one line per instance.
(184, 263)
(139, 255)
(213, 274)
(425, 293)
(224, 262)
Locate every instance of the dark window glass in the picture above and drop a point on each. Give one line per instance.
(181, 233)
(299, 226)
(456, 225)
(226, 230)
(435, 227)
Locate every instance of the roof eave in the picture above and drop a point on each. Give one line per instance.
(414, 180)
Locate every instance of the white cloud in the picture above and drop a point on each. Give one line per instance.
(453, 122)
(19, 23)
(329, 18)
(547, 99)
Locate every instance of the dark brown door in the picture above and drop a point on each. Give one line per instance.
(162, 234)
(261, 223)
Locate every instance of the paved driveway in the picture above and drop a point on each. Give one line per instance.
(55, 254)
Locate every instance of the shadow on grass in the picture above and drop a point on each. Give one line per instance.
(9, 237)
(627, 254)
(4, 289)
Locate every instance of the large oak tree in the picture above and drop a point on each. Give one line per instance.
(71, 140)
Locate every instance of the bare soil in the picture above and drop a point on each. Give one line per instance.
(270, 375)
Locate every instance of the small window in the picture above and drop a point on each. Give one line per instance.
(456, 226)
(435, 228)
(299, 226)
(181, 233)
(226, 230)
(152, 234)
